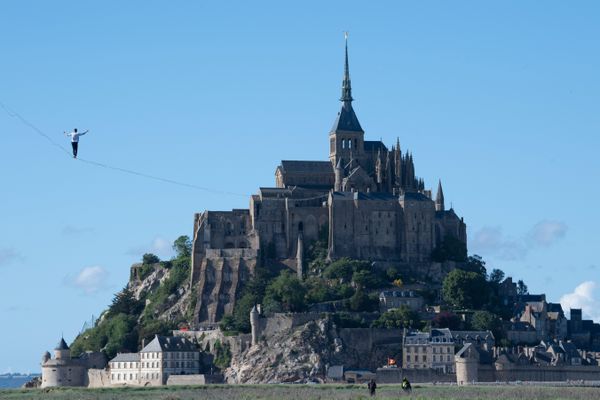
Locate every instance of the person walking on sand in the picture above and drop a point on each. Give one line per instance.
(372, 387)
(75, 140)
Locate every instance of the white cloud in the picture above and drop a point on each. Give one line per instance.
(90, 279)
(490, 240)
(159, 246)
(8, 255)
(585, 296)
(546, 233)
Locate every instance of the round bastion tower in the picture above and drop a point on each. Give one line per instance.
(62, 370)
(467, 365)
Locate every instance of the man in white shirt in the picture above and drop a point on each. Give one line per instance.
(75, 140)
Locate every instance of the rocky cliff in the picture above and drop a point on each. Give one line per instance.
(303, 352)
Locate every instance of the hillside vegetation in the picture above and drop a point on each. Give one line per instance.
(140, 310)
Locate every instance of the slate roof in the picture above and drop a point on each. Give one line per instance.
(461, 352)
(471, 334)
(556, 307)
(169, 343)
(126, 357)
(374, 146)
(297, 166)
(441, 332)
(62, 345)
(521, 326)
(528, 298)
(346, 120)
(415, 196)
(381, 196)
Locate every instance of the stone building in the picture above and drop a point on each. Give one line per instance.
(64, 370)
(366, 201)
(481, 339)
(390, 299)
(162, 357)
(429, 350)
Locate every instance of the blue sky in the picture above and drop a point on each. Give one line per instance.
(497, 99)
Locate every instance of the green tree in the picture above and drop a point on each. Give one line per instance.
(112, 335)
(340, 269)
(222, 354)
(361, 301)
(475, 264)
(318, 291)
(464, 289)
(124, 302)
(496, 276)
(367, 279)
(451, 249)
(151, 327)
(446, 319)
(522, 288)
(402, 317)
(183, 246)
(485, 320)
(288, 291)
(150, 258)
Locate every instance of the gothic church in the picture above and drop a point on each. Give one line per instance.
(366, 199)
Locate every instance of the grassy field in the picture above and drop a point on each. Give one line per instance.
(303, 392)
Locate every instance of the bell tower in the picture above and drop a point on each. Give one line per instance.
(346, 138)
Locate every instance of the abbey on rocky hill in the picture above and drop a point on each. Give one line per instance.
(366, 196)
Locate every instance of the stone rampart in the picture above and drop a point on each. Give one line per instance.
(395, 375)
(98, 378)
(544, 374)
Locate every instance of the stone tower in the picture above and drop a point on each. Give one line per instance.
(300, 257)
(467, 365)
(346, 138)
(254, 324)
(62, 351)
(439, 198)
(45, 357)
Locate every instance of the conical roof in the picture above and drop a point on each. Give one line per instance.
(346, 119)
(62, 345)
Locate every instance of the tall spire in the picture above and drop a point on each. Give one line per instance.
(439, 199)
(346, 86)
(346, 119)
